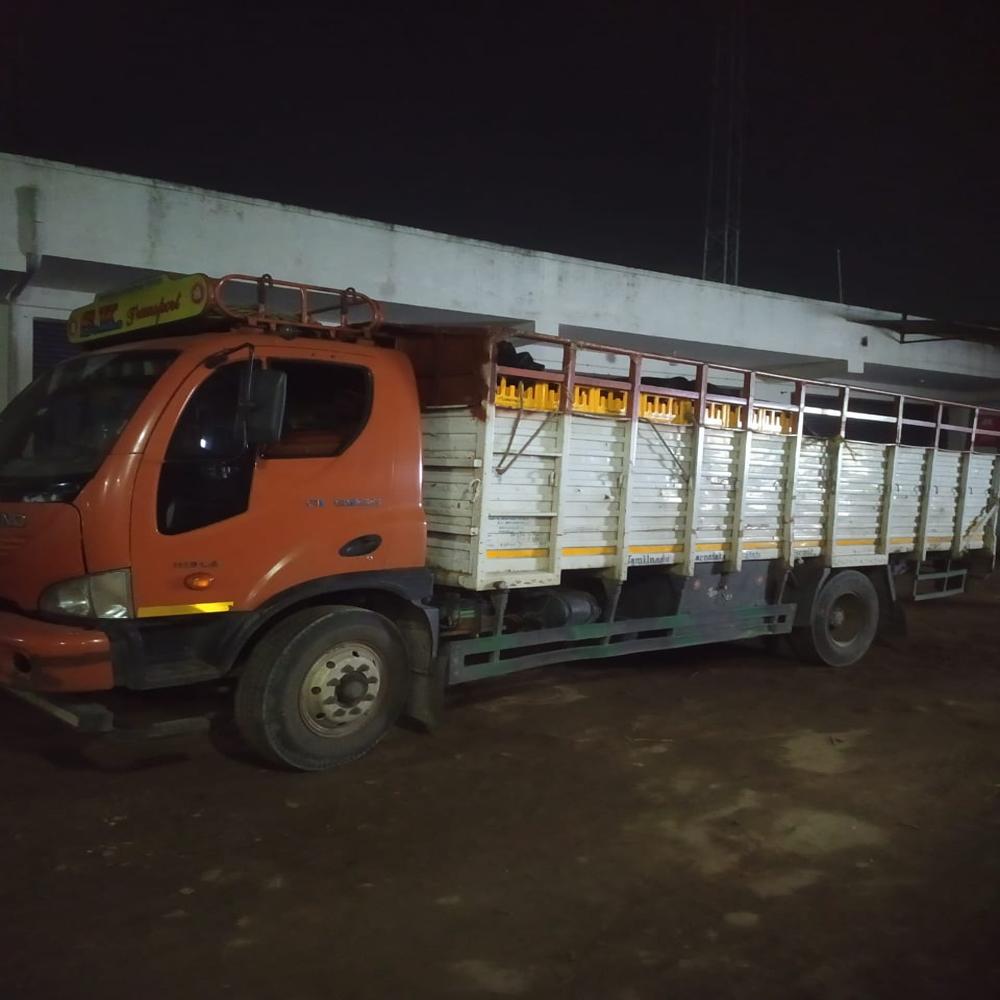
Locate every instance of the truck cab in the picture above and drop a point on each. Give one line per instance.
(182, 486)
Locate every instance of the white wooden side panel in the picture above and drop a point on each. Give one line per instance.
(716, 497)
(860, 490)
(812, 496)
(943, 501)
(452, 482)
(593, 493)
(519, 496)
(978, 500)
(762, 504)
(655, 532)
(487, 526)
(908, 492)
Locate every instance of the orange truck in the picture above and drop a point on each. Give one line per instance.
(263, 482)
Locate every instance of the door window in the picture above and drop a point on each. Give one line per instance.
(208, 468)
(326, 408)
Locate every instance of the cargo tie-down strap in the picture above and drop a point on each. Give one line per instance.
(670, 451)
(501, 468)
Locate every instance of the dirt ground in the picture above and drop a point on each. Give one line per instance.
(706, 823)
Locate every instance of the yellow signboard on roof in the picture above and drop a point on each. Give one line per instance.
(165, 301)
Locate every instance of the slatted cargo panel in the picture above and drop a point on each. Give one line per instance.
(762, 509)
(977, 499)
(452, 441)
(859, 497)
(907, 490)
(522, 496)
(658, 503)
(942, 500)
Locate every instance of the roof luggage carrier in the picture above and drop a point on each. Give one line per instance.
(257, 301)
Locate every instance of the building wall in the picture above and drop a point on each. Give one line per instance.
(84, 230)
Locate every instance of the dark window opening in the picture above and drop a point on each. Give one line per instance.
(49, 345)
(208, 469)
(327, 406)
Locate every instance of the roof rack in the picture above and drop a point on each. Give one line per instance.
(313, 301)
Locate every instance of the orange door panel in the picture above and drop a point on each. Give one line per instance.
(308, 514)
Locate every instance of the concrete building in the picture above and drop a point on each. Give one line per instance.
(67, 232)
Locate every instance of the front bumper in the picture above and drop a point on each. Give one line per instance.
(41, 656)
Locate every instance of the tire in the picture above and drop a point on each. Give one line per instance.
(322, 688)
(843, 622)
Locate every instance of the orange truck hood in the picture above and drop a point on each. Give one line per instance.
(40, 544)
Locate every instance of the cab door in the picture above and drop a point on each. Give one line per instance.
(217, 526)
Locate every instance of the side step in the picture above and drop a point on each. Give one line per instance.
(943, 583)
(98, 720)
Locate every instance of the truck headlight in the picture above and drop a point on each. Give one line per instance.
(100, 595)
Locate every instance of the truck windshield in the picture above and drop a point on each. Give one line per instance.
(56, 433)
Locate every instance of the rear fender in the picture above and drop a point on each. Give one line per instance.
(807, 580)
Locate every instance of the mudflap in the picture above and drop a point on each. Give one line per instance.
(425, 706)
(892, 617)
(802, 584)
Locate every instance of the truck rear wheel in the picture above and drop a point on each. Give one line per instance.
(843, 622)
(322, 688)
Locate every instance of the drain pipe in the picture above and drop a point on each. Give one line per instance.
(10, 297)
(26, 198)
(27, 241)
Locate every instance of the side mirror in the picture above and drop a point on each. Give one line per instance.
(263, 406)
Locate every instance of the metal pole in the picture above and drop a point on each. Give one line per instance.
(710, 187)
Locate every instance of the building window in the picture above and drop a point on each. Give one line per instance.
(327, 407)
(49, 345)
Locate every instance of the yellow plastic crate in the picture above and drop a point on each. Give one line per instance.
(772, 421)
(592, 399)
(669, 409)
(517, 396)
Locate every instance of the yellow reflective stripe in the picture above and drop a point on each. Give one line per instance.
(163, 610)
(903, 540)
(609, 550)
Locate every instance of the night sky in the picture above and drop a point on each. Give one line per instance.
(584, 131)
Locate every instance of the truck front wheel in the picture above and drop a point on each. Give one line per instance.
(322, 688)
(843, 622)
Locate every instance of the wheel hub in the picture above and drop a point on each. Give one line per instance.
(341, 689)
(352, 690)
(845, 619)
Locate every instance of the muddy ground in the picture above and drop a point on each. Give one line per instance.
(705, 823)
